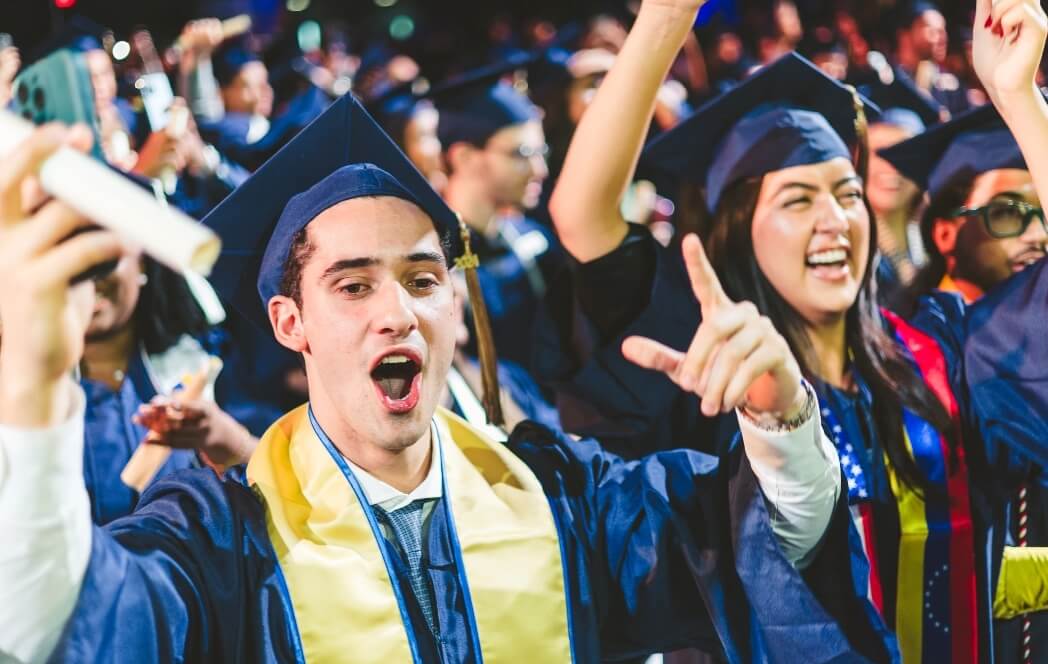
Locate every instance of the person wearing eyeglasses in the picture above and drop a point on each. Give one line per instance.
(983, 224)
(495, 153)
(984, 221)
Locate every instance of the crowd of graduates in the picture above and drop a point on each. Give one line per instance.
(679, 214)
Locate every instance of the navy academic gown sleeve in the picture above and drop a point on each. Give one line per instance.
(526, 393)
(189, 577)
(676, 550)
(599, 393)
(1006, 358)
(1006, 362)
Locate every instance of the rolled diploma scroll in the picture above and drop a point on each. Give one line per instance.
(111, 201)
(147, 460)
(231, 27)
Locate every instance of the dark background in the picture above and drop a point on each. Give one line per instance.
(445, 30)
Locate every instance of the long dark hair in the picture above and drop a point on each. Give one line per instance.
(166, 309)
(894, 383)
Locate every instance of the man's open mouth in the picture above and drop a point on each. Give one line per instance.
(397, 378)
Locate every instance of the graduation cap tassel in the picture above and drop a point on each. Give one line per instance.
(468, 263)
(862, 145)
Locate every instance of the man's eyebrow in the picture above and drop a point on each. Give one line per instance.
(371, 261)
(426, 257)
(349, 264)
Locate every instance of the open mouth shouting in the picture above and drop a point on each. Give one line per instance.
(397, 376)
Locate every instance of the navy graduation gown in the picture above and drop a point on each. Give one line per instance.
(253, 386)
(1006, 362)
(229, 134)
(1005, 353)
(599, 392)
(632, 411)
(110, 438)
(675, 550)
(515, 267)
(523, 390)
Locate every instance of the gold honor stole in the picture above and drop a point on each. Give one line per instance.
(327, 543)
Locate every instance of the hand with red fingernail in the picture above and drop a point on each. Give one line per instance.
(1007, 48)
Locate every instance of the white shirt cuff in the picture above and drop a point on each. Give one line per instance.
(799, 473)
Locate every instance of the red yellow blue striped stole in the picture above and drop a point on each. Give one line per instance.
(936, 617)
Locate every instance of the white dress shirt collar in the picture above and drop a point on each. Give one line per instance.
(380, 494)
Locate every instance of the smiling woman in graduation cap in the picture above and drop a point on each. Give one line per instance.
(371, 526)
(791, 231)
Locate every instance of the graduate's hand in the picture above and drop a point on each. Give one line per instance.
(197, 425)
(201, 37)
(683, 5)
(1007, 44)
(43, 317)
(737, 357)
(159, 153)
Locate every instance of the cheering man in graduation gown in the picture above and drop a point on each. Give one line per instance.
(370, 526)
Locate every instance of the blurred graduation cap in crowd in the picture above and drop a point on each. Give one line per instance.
(229, 58)
(476, 104)
(956, 151)
(914, 10)
(787, 114)
(902, 104)
(395, 109)
(819, 41)
(340, 156)
(79, 34)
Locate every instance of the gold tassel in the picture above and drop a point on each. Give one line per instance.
(862, 145)
(468, 263)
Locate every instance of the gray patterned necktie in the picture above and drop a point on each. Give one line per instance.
(406, 524)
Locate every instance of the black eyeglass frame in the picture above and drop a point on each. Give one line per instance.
(1028, 211)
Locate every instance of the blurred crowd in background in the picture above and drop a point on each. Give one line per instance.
(192, 99)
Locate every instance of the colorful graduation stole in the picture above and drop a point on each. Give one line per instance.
(936, 617)
(338, 579)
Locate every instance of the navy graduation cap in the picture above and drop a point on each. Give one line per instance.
(787, 114)
(394, 108)
(79, 34)
(475, 105)
(229, 59)
(341, 155)
(903, 104)
(961, 149)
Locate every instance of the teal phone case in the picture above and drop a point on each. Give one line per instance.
(58, 88)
